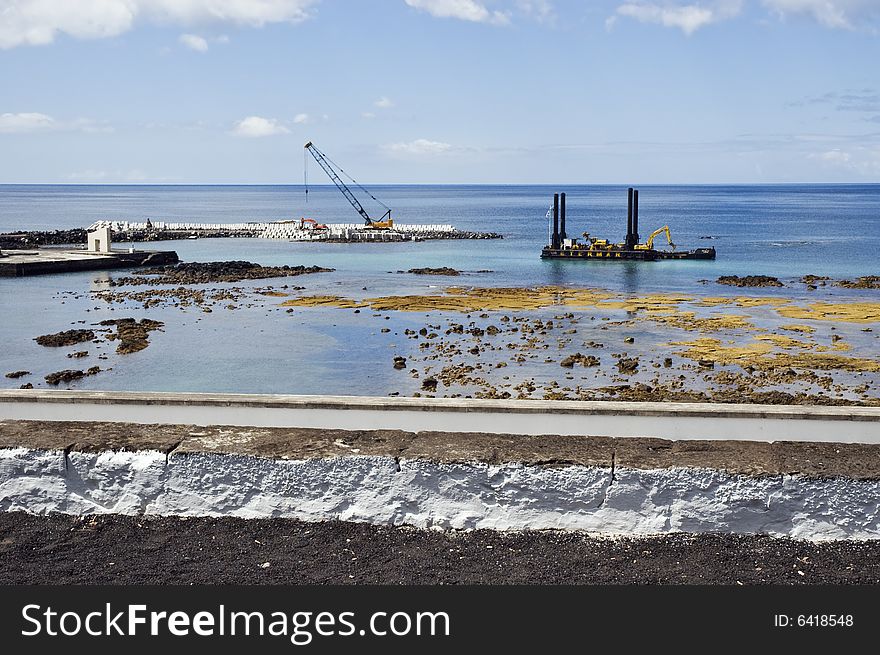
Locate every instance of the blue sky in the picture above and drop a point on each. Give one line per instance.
(440, 91)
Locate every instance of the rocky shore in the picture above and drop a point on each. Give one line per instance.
(530, 343)
(212, 272)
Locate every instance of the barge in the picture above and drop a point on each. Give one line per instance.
(563, 247)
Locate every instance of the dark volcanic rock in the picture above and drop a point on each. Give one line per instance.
(64, 376)
(578, 358)
(444, 270)
(750, 281)
(628, 365)
(70, 375)
(207, 272)
(67, 338)
(27, 386)
(26, 240)
(399, 362)
(866, 282)
(429, 384)
(133, 336)
(17, 374)
(811, 280)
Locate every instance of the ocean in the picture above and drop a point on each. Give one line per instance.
(781, 230)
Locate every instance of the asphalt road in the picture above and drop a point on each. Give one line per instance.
(115, 549)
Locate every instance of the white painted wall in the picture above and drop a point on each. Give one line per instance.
(429, 494)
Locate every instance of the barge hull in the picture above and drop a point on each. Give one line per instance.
(625, 255)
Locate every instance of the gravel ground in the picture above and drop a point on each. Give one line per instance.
(108, 549)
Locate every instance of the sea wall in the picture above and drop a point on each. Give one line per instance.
(444, 480)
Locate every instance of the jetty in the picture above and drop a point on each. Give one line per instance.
(97, 255)
(19, 263)
(290, 230)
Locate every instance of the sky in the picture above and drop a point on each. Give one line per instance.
(440, 91)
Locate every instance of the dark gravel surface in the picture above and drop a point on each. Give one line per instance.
(111, 549)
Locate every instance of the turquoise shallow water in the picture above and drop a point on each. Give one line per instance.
(786, 231)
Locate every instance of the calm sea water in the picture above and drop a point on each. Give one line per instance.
(786, 231)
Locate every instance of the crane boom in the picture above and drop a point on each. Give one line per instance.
(325, 164)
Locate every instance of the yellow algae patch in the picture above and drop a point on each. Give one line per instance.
(787, 343)
(712, 349)
(273, 294)
(855, 312)
(759, 355)
(742, 301)
(322, 301)
(458, 299)
(647, 303)
(806, 329)
(690, 321)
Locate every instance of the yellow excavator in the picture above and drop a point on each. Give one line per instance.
(649, 244)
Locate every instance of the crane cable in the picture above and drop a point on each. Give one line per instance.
(306, 173)
(353, 181)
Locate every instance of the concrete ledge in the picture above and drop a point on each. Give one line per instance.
(748, 458)
(674, 421)
(385, 403)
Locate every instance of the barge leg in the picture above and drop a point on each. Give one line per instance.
(555, 242)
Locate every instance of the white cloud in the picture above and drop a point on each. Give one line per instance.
(469, 10)
(26, 122)
(301, 119)
(419, 147)
(383, 103)
(836, 156)
(688, 18)
(194, 42)
(39, 22)
(257, 126)
(539, 10)
(845, 14)
(862, 160)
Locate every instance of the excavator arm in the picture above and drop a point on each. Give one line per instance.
(658, 232)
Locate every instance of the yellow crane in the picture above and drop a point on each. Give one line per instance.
(649, 244)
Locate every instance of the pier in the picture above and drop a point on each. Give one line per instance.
(20, 263)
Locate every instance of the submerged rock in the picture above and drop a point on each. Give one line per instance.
(628, 365)
(70, 375)
(578, 358)
(132, 335)
(866, 282)
(206, 272)
(17, 374)
(444, 270)
(750, 281)
(66, 338)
